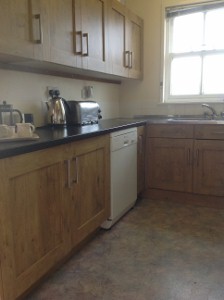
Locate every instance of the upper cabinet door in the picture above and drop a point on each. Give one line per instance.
(134, 53)
(91, 34)
(125, 40)
(117, 40)
(61, 32)
(21, 28)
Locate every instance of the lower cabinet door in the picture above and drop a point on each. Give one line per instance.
(33, 235)
(90, 206)
(208, 167)
(169, 164)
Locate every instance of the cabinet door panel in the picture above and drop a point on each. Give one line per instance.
(94, 38)
(135, 33)
(39, 206)
(90, 195)
(117, 39)
(21, 28)
(34, 236)
(90, 192)
(61, 32)
(169, 164)
(208, 167)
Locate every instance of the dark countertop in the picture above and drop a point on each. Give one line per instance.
(52, 136)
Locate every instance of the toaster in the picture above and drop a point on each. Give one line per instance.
(82, 112)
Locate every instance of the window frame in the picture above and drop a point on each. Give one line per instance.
(167, 57)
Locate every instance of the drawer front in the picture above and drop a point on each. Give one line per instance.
(211, 132)
(170, 130)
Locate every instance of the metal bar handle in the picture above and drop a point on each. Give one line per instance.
(38, 17)
(86, 36)
(68, 162)
(76, 178)
(130, 60)
(126, 59)
(197, 157)
(78, 34)
(188, 156)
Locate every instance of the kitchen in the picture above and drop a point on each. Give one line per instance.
(28, 91)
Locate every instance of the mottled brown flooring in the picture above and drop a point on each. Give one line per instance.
(158, 251)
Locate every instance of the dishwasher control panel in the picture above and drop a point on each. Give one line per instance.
(123, 138)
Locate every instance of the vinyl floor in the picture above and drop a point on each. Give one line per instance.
(158, 251)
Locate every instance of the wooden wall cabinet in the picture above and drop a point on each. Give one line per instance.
(125, 40)
(191, 164)
(91, 34)
(141, 131)
(58, 32)
(94, 35)
(20, 31)
(50, 200)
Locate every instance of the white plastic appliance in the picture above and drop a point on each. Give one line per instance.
(123, 146)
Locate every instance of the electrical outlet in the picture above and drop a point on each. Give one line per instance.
(51, 88)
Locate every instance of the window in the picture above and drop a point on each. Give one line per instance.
(194, 53)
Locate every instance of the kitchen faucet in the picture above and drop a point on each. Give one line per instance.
(214, 113)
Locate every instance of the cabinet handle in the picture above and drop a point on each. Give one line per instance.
(126, 59)
(197, 157)
(68, 173)
(38, 18)
(86, 36)
(130, 60)
(189, 157)
(78, 34)
(76, 178)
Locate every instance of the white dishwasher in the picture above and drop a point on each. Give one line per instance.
(123, 152)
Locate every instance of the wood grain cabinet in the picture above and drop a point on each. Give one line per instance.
(97, 35)
(91, 34)
(169, 166)
(42, 30)
(208, 160)
(20, 30)
(59, 32)
(88, 190)
(33, 235)
(186, 158)
(50, 200)
(125, 40)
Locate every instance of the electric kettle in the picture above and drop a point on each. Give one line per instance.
(56, 109)
(9, 115)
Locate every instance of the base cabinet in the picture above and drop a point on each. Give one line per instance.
(208, 169)
(192, 164)
(169, 165)
(89, 191)
(33, 236)
(47, 207)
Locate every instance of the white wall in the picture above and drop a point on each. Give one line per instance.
(27, 92)
(143, 97)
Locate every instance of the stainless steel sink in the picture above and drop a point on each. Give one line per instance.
(194, 120)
